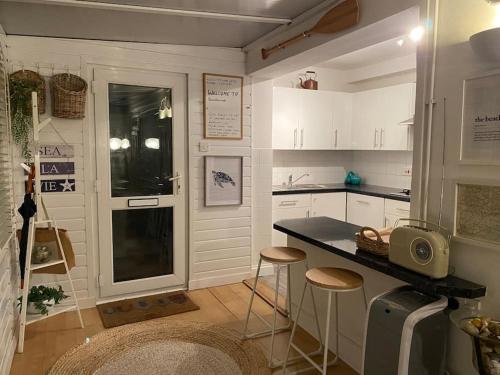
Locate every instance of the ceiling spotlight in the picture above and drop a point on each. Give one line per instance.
(401, 42)
(417, 33)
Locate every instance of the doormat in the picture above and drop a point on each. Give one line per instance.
(118, 313)
(266, 292)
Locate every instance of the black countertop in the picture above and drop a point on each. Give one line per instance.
(338, 237)
(372, 190)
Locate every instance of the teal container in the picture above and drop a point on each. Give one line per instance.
(353, 178)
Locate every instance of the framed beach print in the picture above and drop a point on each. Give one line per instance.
(481, 120)
(223, 180)
(222, 106)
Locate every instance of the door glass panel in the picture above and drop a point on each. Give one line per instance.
(142, 243)
(140, 144)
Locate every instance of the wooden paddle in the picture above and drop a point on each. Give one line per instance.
(340, 17)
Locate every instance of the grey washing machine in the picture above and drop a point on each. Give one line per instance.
(406, 334)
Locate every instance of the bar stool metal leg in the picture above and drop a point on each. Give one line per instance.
(251, 298)
(285, 361)
(276, 294)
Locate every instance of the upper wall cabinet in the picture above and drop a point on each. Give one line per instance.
(377, 115)
(311, 120)
(329, 120)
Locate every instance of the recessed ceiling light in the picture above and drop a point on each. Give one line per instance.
(417, 33)
(401, 42)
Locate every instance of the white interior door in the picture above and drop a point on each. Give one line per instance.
(140, 146)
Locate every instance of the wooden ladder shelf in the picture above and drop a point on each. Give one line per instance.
(26, 319)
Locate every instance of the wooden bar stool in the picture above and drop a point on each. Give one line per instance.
(334, 281)
(279, 256)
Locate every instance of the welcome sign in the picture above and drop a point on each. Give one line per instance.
(223, 106)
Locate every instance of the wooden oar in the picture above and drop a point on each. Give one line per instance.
(340, 17)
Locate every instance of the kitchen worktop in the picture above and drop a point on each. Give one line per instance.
(372, 190)
(338, 237)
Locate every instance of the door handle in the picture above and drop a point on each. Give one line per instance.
(375, 138)
(177, 178)
(301, 138)
(381, 137)
(336, 136)
(295, 138)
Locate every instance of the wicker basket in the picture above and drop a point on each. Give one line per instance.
(39, 82)
(376, 243)
(69, 93)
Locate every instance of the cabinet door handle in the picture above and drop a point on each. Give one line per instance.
(375, 138)
(381, 137)
(336, 137)
(301, 138)
(295, 138)
(363, 202)
(288, 203)
(307, 214)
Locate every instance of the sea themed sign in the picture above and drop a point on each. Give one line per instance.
(58, 186)
(56, 151)
(481, 120)
(223, 180)
(57, 168)
(223, 106)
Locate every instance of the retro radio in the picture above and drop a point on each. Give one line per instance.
(420, 248)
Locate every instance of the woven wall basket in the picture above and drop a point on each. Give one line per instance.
(37, 80)
(69, 93)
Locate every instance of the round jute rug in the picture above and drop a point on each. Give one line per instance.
(171, 347)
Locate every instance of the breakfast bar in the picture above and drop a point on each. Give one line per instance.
(332, 243)
(338, 237)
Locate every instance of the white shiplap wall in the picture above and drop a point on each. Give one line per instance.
(219, 237)
(9, 268)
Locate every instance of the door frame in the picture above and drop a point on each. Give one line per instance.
(106, 288)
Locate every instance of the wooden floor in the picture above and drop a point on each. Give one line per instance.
(226, 305)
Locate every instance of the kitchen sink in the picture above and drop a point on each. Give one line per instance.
(302, 187)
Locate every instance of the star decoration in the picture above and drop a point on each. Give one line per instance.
(67, 186)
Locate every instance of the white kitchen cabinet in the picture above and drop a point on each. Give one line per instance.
(364, 210)
(316, 120)
(395, 210)
(290, 206)
(329, 204)
(342, 120)
(286, 112)
(396, 104)
(311, 119)
(377, 115)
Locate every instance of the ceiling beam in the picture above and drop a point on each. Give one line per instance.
(158, 10)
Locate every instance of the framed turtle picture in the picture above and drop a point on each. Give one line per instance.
(223, 180)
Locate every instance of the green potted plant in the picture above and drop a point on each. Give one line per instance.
(20, 89)
(42, 299)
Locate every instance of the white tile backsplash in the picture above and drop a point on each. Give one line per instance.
(383, 168)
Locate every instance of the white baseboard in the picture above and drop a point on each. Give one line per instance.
(265, 270)
(218, 280)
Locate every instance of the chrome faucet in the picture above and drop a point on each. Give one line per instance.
(291, 181)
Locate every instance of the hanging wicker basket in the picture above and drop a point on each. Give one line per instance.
(37, 81)
(69, 93)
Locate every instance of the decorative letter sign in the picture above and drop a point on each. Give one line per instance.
(223, 104)
(56, 168)
(56, 151)
(58, 186)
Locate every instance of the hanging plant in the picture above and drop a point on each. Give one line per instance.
(21, 85)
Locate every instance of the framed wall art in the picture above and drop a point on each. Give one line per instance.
(481, 120)
(222, 106)
(223, 180)
(477, 211)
